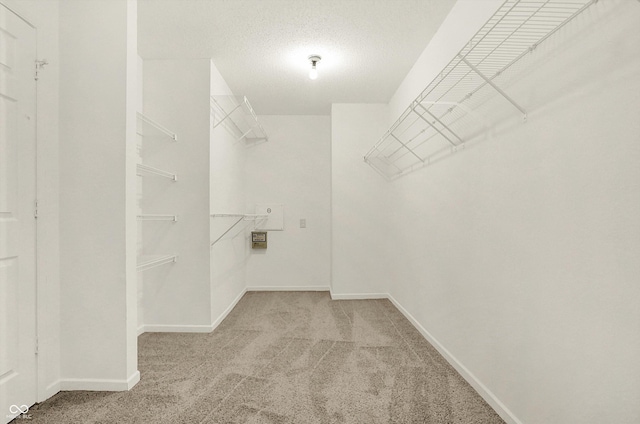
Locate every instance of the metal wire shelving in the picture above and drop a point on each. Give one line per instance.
(238, 116)
(152, 130)
(442, 118)
(146, 262)
(147, 127)
(237, 219)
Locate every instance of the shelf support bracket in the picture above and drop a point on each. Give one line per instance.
(498, 89)
(407, 147)
(226, 114)
(438, 121)
(229, 229)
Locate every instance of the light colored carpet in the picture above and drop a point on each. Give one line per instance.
(286, 357)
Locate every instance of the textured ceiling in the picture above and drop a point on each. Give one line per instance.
(261, 46)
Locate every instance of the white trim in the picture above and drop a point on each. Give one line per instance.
(133, 380)
(358, 296)
(224, 314)
(171, 328)
(167, 328)
(100, 384)
(287, 288)
(49, 391)
(482, 390)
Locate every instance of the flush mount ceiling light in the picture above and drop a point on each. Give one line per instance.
(314, 59)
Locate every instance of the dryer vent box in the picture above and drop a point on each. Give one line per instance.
(258, 239)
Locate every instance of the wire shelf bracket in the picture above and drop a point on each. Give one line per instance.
(239, 217)
(445, 114)
(237, 113)
(144, 122)
(157, 217)
(151, 261)
(142, 170)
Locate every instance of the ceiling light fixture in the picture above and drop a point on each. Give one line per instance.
(314, 59)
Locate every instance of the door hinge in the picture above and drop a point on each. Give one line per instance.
(40, 64)
(37, 346)
(35, 212)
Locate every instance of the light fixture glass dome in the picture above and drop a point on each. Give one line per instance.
(314, 59)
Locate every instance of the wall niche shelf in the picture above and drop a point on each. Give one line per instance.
(146, 262)
(237, 219)
(441, 119)
(236, 113)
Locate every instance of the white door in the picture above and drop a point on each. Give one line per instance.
(17, 221)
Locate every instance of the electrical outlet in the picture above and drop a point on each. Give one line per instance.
(303, 223)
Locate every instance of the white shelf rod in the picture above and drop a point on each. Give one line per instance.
(156, 261)
(158, 217)
(155, 171)
(157, 126)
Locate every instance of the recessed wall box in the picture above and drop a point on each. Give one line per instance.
(258, 239)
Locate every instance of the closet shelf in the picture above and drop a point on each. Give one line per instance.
(146, 169)
(151, 261)
(149, 127)
(442, 118)
(238, 115)
(245, 216)
(239, 217)
(157, 217)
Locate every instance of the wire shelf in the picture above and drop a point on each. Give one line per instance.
(157, 217)
(442, 117)
(238, 116)
(142, 170)
(146, 262)
(239, 217)
(148, 127)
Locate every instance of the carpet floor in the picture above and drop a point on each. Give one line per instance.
(285, 357)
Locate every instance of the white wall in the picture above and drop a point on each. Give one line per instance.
(97, 260)
(227, 195)
(177, 296)
(461, 24)
(519, 254)
(360, 210)
(44, 16)
(293, 168)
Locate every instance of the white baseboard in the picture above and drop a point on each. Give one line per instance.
(105, 385)
(168, 328)
(49, 391)
(224, 314)
(482, 390)
(358, 296)
(288, 288)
